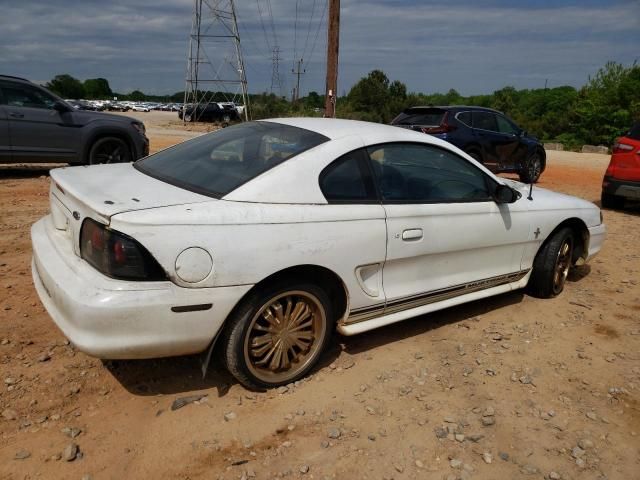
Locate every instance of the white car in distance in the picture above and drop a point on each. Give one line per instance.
(264, 237)
(140, 108)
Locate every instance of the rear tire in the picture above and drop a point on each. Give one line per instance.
(109, 150)
(277, 335)
(609, 200)
(551, 265)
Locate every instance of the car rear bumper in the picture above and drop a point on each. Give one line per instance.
(621, 188)
(115, 319)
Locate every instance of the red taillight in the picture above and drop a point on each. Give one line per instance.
(119, 253)
(116, 254)
(611, 169)
(97, 239)
(620, 147)
(444, 127)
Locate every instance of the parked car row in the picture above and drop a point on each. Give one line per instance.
(122, 106)
(38, 126)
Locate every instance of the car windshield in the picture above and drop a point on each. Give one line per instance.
(217, 163)
(426, 116)
(634, 132)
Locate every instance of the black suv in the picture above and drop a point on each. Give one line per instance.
(485, 134)
(210, 112)
(37, 126)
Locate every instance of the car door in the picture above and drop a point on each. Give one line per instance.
(5, 139)
(348, 186)
(38, 132)
(445, 233)
(485, 129)
(511, 151)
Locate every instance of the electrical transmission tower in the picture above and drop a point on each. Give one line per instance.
(214, 62)
(276, 82)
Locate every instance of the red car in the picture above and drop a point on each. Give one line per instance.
(622, 178)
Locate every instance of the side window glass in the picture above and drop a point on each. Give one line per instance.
(416, 173)
(505, 126)
(347, 180)
(485, 121)
(465, 117)
(17, 95)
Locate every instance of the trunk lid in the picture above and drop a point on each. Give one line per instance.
(101, 191)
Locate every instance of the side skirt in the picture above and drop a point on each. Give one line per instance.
(379, 316)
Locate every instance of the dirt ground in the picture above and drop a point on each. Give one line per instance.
(505, 388)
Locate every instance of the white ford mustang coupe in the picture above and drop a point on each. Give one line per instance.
(266, 236)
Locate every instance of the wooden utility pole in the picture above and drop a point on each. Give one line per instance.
(299, 71)
(333, 41)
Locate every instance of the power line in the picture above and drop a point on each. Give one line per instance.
(295, 37)
(306, 42)
(264, 30)
(315, 40)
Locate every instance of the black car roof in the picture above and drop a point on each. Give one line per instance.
(11, 77)
(453, 107)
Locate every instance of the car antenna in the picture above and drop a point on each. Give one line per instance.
(530, 191)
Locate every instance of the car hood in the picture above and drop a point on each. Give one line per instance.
(106, 190)
(543, 199)
(85, 116)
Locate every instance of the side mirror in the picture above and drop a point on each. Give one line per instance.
(61, 107)
(505, 194)
(523, 133)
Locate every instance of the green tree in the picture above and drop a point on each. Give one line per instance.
(66, 86)
(374, 98)
(608, 104)
(97, 88)
(137, 96)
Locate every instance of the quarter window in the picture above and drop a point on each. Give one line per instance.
(465, 117)
(348, 180)
(417, 173)
(485, 121)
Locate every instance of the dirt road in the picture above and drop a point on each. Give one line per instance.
(511, 387)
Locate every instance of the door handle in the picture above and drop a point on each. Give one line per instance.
(16, 115)
(412, 234)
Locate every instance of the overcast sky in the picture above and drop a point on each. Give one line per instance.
(473, 46)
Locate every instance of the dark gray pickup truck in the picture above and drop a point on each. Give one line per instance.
(36, 126)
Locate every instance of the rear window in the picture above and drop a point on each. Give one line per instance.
(634, 132)
(431, 117)
(217, 163)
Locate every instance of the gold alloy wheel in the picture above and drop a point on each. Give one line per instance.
(285, 336)
(563, 262)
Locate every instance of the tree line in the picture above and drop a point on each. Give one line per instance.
(603, 109)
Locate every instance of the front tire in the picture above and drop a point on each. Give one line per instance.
(551, 265)
(277, 334)
(532, 170)
(109, 150)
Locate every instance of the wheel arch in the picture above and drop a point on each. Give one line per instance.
(580, 235)
(326, 278)
(543, 156)
(474, 147)
(106, 132)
